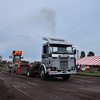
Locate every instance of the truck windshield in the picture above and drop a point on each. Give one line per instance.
(61, 49)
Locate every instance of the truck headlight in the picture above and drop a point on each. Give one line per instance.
(51, 68)
(73, 68)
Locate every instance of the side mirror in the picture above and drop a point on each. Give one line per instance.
(10, 56)
(74, 51)
(22, 57)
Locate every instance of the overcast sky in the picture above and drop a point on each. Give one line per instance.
(23, 23)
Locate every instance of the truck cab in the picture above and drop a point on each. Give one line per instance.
(58, 58)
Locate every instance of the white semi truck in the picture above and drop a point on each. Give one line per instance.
(58, 59)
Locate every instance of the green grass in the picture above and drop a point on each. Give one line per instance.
(9, 91)
(88, 73)
(4, 65)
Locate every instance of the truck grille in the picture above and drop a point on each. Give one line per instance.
(63, 63)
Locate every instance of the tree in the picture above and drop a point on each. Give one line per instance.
(90, 54)
(82, 54)
(0, 58)
(4, 62)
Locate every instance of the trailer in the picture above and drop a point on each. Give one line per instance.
(58, 59)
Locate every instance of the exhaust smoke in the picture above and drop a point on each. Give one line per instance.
(48, 16)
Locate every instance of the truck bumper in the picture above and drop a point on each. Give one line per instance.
(62, 72)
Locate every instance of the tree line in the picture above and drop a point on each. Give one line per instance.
(2, 61)
(88, 55)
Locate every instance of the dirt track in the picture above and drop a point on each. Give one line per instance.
(33, 88)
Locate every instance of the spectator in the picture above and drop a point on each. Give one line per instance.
(78, 68)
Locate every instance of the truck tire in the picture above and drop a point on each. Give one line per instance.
(13, 72)
(28, 73)
(9, 69)
(66, 77)
(42, 74)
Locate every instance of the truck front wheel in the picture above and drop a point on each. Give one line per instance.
(42, 74)
(66, 77)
